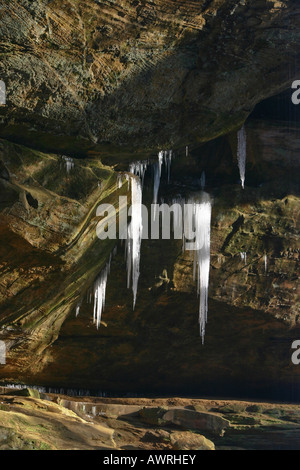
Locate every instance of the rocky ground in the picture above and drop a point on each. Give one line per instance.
(29, 420)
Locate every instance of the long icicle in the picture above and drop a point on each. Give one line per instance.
(157, 175)
(100, 292)
(202, 258)
(134, 240)
(242, 154)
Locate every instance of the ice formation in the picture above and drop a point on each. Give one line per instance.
(168, 155)
(244, 256)
(69, 162)
(202, 220)
(157, 175)
(242, 154)
(197, 212)
(164, 156)
(100, 292)
(119, 181)
(134, 240)
(127, 177)
(139, 169)
(78, 308)
(266, 263)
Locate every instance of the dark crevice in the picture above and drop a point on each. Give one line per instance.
(31, 201)
(235, 228)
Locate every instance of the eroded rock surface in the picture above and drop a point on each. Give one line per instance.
(50, 257)
(44, 423)
(140, 75)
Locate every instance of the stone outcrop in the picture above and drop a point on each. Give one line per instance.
(34, 424)
(197, 420)
(190, 441)
(44, 424)
(139, 75)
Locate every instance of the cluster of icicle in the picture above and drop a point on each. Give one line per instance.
(201, 213)
(139, 169)
(201, 209)
(69, 163)
(133, 252)
(100, 292)
(135, 228)
(74, 392)
(242, 154)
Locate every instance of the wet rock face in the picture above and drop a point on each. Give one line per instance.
(46, 212)
(143, 74)
(50, 257)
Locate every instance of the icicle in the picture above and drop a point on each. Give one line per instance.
(266, 263)
(119, 182)
(202, 214)
(78, 308)
(139, 169)
(134, 240)
(69, 162)
(242, 154)
(128, 180)
(168, 162)
(99, 293)
(244, 256)
(157, 175)
(164, 156)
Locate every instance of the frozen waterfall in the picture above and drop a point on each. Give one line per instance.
(242, 154)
